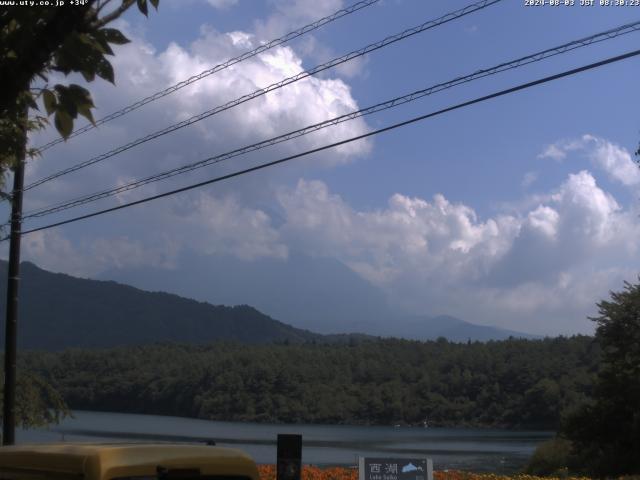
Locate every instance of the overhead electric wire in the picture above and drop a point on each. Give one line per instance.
(500, 93)
(275, 86)
(401, 100)
(240, 58)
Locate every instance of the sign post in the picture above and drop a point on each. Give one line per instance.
(395, 468)
(289, 454)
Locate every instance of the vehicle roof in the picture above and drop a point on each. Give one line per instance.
(106, 461)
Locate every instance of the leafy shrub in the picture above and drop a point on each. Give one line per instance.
(550, 458)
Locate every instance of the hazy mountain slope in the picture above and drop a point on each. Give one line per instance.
(318, 294)
(59, 311)
(451, 328)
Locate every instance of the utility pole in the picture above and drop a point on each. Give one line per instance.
(13, 282)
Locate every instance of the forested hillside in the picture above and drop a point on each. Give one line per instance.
(59, 311)
(512, 383)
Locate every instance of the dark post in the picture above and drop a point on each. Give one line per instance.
(289, 464)
(11, 320)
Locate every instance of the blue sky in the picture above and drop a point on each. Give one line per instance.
(495, 144)
(519, 212)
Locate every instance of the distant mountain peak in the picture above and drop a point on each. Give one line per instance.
(104, 313)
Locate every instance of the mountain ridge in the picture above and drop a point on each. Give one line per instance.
(59, 311)
(309, 292)
(54, 309)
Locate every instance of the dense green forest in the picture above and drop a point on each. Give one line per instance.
(514, 383)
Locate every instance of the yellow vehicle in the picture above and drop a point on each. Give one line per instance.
(65, 461)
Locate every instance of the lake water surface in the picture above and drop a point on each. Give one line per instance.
(500, 451)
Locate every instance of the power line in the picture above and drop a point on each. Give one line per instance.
(260, 92)
(275, 86)
(245, 56)
(343, 142)
(535, 57)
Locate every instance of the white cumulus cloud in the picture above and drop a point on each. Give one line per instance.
(141, 70)
(430, 237)
(550, 261)
(222, 4)
(615, 160)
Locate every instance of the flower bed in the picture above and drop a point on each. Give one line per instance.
(268, 472)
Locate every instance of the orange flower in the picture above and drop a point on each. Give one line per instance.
(268, 472)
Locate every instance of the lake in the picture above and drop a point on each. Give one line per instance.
(500, 451)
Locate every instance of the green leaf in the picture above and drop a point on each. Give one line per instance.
(63, 123)
(114, 36)
(155, 3)
(64, 70)
(105, 70)
(106, 48)
(79, 53)
(91, 42)
(31, 103)
(85, 111)
(66, 102)
(49, 100)
(89, 76)
(82, 101)
(80, 95)
(142, 6)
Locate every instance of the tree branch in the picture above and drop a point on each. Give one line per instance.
(115, 14)
(101, 5)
